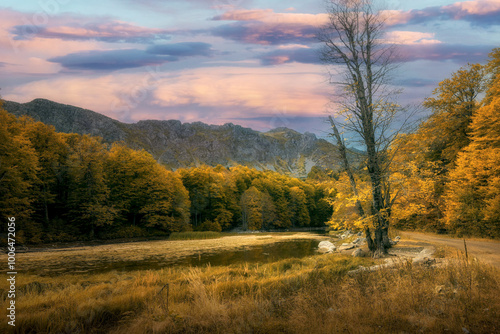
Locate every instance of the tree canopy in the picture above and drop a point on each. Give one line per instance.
(65, 187)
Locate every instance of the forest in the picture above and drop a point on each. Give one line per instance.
(65, 187)
(445, 176)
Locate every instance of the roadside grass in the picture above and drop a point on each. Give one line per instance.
(449, 235)
(309, 295)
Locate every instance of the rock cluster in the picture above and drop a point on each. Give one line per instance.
(328, 247)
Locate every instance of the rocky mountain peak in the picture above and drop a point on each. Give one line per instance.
(176, 144)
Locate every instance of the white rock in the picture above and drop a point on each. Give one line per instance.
(326, 247)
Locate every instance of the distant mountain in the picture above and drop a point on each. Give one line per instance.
(177, 144)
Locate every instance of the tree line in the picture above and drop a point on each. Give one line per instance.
(64, 187)
(452, 177)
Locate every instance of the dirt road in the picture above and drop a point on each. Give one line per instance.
(487, 251)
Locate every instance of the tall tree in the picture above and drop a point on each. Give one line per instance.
(52, 154)
(454, 102)
(251, 204)
(353, 45)
(298, 207)
(89, 203)
(168, 204)
(473, 191)
(18, 169)
(425, 157)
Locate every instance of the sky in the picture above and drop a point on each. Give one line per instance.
(248, 62)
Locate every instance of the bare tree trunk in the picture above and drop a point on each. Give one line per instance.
(371, 245)
(352, 38)
(343, 155)
(347, 167)
(382, 223)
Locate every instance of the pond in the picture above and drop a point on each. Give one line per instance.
(250, 254)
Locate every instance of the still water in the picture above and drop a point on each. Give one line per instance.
(251, 254)
(262, 254)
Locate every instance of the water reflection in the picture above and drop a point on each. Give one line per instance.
(262, 254)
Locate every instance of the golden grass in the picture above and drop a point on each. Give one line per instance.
(309, 295)
(194, 235)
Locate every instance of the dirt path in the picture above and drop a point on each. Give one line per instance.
(487, 251)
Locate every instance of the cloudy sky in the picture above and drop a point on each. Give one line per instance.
(249, 62)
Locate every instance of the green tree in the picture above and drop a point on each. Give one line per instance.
(197, 182)
(214, 194)
(275, 185)
(129, 174)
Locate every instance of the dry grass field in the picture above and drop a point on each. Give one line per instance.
(316, 294)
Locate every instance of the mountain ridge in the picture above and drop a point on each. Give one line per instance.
(176, 144)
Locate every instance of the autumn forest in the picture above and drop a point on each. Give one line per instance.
(445, 176)
(66, 187)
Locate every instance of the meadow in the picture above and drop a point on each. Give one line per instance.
(314, 294)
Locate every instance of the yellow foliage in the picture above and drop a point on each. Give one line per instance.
(345, 214)
(473, 192)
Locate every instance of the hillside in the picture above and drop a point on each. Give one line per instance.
(177, 144)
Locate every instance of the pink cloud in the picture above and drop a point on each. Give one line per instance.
(29, 56)
(113, 31)
(266, 27)
(92, 93)
(244, 15)
(216, 93)
(478, 7)
(269, 16)
(258, 89)
(461, 54)
(479, 12)
(410, 37)
(396, 17)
